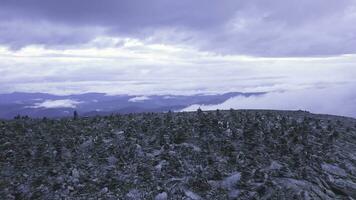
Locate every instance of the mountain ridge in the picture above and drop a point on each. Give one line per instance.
(50, 105)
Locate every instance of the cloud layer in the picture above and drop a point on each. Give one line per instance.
(245, 27)
(337, 100)
(142, 69)
(63, 103)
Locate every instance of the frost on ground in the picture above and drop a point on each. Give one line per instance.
(163, 156)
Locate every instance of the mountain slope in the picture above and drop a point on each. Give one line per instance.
(247, 154)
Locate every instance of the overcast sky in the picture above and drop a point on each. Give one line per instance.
(179, 47)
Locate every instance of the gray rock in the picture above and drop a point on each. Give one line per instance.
(104, 190)
(87, 144)
(75, 173)
(347, 187)
(333, 169)
(234, 194)
(161, 196)
(230, 182)
(275, 166)
(112, 160)
(191, 195)
(301, 186)
(134, 194)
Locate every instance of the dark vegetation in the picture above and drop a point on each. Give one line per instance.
(198, 155)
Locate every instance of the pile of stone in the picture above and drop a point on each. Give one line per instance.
(195, 155)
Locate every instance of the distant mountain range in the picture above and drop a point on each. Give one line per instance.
(89, 104)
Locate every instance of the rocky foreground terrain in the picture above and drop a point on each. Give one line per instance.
(198, 155)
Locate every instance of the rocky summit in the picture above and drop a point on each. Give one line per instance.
(234, 154)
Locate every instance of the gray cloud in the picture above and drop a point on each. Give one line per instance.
(249, 27)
